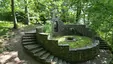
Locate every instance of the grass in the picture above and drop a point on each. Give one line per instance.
(81, 41)
(5, 27)
(47, 27)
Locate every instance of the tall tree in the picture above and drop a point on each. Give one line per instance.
(78, 10)
(26, 12)
(13, 14)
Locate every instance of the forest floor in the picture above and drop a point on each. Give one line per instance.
(14, 44)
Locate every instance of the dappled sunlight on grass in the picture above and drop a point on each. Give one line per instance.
(5, 27)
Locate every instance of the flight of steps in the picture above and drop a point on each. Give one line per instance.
(38, 52)
(103, 44)
(86, 31)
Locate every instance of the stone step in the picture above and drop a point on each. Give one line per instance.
(102, 41)
(40, 53)
(28, 43)
(28, 40)
(55, 60)
(103, 44)
(31, 47)
(44, 56)
(106, 48)
(49, 59)
(36, 50)
(64, 62)
(68, 63)
(60, 61)
(29, 35)
(24, 37)
(103, 47)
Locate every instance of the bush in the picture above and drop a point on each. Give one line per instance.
(7, 16)
(20, 16)
(47, 27)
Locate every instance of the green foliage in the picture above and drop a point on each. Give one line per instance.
(47, 28)
(4, 6)
(20, 16)
(1, 50)
(5, 27)
(5, 16)
(100, 19)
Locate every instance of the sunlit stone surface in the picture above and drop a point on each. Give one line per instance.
(104, 57)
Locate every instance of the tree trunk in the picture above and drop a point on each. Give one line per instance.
(78, 11)
(26, 12)
(13, 14)
(84, 17)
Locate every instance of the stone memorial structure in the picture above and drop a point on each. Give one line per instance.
(66, 45)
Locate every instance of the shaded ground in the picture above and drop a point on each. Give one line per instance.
(15, 44)
(104, 57)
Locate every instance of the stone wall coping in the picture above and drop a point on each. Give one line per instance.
(44, 33)
(63, 45)
(94, 44)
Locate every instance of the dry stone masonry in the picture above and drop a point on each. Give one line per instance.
(48, 51)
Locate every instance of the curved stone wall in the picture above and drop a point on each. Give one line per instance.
(63, 51)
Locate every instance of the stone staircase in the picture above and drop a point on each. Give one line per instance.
(103, 44)
(38, 52)
(86, 31)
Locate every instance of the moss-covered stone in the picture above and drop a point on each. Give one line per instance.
(77, 42)
(83, 48)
